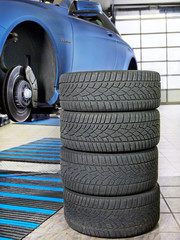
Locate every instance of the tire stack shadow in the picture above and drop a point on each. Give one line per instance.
(109, 160)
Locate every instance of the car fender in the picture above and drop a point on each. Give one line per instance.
(3, 37)
(30, 18)
(130, 55)
(127, 56)
(7, 24)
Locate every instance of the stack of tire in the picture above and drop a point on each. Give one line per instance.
(109, 161)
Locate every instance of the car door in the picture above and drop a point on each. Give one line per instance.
(94, 45)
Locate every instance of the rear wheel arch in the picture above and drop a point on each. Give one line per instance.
(33, 47)
(132, 64)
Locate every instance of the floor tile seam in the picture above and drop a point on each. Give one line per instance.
(173, 143)
(171, 212)
(163, 154)
(172, 197)
(172, 165)
(169, 186)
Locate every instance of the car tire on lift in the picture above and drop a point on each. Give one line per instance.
(109, 174)
(110, 132)
(112, 217)
(110, 91)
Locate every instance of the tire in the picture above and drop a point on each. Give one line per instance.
(112, 217)
(110, 91)
(109, 174)
(110, 132)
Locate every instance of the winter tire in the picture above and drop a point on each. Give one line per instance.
(112, 217)
(109, 174)
(110, 132)
(110, 91)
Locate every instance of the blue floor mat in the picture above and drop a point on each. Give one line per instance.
(45, 150)
(48, 122)
(26, 201)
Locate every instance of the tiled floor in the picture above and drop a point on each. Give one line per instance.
(168, 227)
(13, 135)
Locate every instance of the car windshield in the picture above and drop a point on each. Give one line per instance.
(56, 2)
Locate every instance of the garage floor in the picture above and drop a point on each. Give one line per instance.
(55, 228)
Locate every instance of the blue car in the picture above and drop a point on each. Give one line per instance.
(39, 41)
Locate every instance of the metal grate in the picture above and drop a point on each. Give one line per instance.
(26, 201)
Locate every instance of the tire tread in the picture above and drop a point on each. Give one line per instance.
(110, 91)
(112, 217)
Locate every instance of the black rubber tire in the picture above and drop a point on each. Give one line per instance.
(110, 132)
(109, 174)
(112, 217)
(110, 91)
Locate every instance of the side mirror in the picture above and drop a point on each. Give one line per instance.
(86, 8)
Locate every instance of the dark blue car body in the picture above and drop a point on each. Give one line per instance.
(53, 40)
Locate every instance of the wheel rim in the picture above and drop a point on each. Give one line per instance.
(22, 94)
(17, 94)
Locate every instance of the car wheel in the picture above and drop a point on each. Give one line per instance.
(19, 93)
(109, 174)
(110, 132)
(110, 91)
(112, 217)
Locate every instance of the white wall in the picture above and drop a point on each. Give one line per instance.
(106, 3)
(144, 1)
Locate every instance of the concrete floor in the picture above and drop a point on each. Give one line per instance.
(168, 228)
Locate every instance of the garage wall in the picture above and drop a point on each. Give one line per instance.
(154, 33)
(125, 2)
